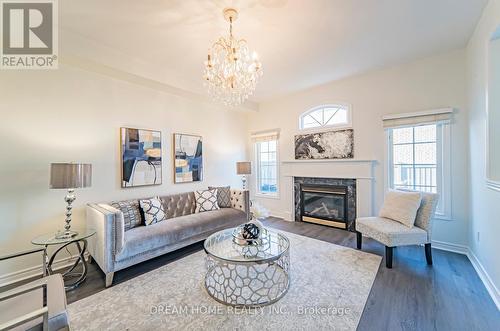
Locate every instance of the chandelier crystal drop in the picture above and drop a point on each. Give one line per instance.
(231, 69)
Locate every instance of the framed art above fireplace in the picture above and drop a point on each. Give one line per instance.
(325, 145)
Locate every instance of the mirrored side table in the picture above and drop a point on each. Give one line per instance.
(72, 277)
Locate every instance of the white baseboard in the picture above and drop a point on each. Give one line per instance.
(483, 275)
(284, 215)
(445, 246)
(35, 271)
(486, 279)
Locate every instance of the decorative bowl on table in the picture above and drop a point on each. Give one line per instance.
(248, 233)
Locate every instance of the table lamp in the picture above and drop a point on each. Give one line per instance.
(244, 169)
(69, 176)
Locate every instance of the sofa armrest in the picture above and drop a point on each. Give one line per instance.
(240, 199)
(109, 238)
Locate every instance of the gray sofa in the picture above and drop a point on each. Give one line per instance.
(114, 249)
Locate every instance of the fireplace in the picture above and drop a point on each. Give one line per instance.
(324, 204)
(326, 201)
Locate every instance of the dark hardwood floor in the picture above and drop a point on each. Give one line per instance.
(411, 296)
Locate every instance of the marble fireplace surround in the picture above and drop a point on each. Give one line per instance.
(360, 170)
(348, 183)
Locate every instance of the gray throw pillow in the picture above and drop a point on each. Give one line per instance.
(153, 211)
(223, 196)
(131, 213)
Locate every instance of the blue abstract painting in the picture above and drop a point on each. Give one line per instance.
(188, 158)
(141, 157)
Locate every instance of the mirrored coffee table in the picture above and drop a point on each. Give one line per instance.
(250, 275)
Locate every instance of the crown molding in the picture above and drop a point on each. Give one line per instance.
(102, 69)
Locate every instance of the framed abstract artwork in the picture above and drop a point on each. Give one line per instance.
(188, 158)
(141, 162)
(325, 145)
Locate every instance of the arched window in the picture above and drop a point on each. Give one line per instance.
(325, 116)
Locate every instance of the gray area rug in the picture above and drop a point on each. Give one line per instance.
(329, 288)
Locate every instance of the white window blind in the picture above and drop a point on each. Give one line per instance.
(434, 116)
(268, 135)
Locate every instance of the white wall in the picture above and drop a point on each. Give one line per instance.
(75, 115)
(430, 83)
(485, 203)
(494, 108)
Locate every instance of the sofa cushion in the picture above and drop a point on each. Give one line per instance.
(223, 196)
(401, 206)
(206, 200)
(146, 238)
(240, 199)
(131, 213)
(181, 204)
(153, 211)
(389, 232)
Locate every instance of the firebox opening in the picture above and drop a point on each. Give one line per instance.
(324, 204)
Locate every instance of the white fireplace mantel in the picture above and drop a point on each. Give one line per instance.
(330, 161)
(360, 169)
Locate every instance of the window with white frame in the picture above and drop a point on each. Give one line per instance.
(419, 160)
(326, 116)
(266, 157)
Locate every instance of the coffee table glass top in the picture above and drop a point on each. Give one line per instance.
(270, 246)
(50, 238)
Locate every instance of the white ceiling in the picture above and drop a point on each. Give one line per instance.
(301, 43)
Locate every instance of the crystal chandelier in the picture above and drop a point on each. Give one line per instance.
(231, 71)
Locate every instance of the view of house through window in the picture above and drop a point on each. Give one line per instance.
(267, 167)
(416, 161)
(414, 155)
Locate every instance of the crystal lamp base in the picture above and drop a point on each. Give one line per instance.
(66, 234)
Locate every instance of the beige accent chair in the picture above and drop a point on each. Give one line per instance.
(38, 305)
(392, 233)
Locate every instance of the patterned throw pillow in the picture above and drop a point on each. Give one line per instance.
(153, 211)
(223, 196)
(206, 200)
(131, 213)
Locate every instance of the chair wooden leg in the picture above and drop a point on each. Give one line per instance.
(388, 256)
(359, 240)
(428, 253)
